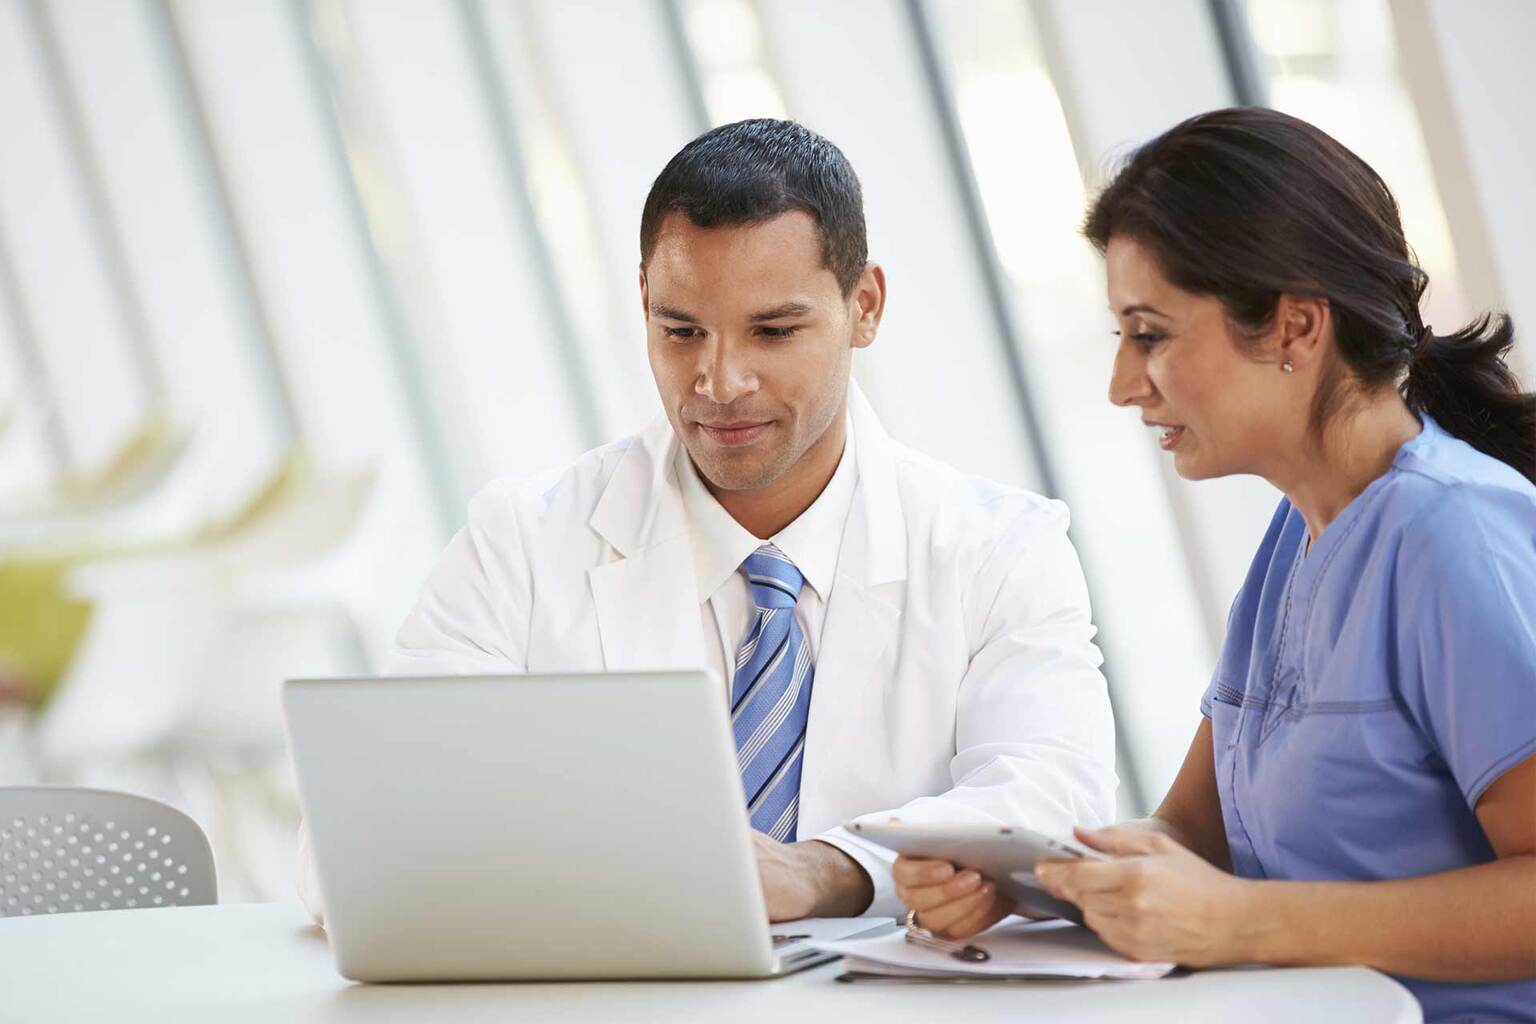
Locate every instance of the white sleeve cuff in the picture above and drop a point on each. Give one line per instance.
(876, 862)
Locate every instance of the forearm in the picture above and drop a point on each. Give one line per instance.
(1473, 924)
(1190, 813)
(845, 888)
(1215, 853)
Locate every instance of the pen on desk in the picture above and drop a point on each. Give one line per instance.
(920, 936)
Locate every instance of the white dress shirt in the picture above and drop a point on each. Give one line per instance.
(813, 541)
(721, 544)
(956, 676)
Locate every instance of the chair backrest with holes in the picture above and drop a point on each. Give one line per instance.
(66, 849)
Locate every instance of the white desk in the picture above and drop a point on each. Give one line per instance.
(264, 962)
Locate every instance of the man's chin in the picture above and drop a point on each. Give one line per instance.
(738, 471)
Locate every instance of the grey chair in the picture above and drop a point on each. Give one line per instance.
(65, 849)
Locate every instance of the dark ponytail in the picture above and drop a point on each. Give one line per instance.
(1248, 204)
(1463, 381)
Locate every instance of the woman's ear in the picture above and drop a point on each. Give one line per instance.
(1301, 326)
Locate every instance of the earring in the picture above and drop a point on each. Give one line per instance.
(1288, 367)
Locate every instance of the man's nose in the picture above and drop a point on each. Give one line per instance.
(726, 373)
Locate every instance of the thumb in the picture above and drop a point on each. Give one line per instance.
(1119, 840)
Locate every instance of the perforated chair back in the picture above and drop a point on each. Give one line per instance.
(66, 849)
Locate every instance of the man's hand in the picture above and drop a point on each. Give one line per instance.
(810, 879)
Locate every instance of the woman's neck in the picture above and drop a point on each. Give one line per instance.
(1357, 447)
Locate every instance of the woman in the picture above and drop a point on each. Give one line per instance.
(1363, 787)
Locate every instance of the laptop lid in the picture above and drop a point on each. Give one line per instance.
(539, 826)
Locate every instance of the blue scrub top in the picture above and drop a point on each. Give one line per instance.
(1372, 688)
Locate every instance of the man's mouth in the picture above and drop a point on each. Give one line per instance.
(735, 433)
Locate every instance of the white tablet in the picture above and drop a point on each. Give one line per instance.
(1006, 854)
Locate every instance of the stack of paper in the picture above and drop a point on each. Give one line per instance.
(1015, 948)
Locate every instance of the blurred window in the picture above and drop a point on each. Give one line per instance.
(450, 223)
(249, 65)
(726, 37)
(615, 90)
(1334, 63)
(263, 91)
(179, 263)
(603, 311)
(25, 467)
(938, 373)
(92, 375)
(1159, 654)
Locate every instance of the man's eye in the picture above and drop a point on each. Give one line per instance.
(680, 332)
(779, 332)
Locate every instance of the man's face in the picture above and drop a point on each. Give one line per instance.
(751, 341)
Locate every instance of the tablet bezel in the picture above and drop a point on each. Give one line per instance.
(1006, 854)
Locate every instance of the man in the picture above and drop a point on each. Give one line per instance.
(889, 633)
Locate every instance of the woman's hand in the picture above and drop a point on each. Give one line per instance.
(1155, 900)
(951, 903)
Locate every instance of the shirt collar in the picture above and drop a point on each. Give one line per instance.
(1428, 434)
(720, 544)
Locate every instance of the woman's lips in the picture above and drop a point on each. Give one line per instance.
(1170, 437)
(734, 435)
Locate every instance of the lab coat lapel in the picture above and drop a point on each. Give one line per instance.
(646, 598)
(859, 645)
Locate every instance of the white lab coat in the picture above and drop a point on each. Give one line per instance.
(956, 677)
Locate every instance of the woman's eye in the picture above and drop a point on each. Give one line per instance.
(1146, 339)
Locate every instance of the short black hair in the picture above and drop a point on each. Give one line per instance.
(752, 171)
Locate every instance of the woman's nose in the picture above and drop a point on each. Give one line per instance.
(1128, 380)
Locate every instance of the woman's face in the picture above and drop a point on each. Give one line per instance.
(1218, 408)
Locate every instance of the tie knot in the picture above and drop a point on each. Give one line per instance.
(775, 581)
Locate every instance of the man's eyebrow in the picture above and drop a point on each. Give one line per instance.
(1142, 307)
(780, 312)
(673, 313)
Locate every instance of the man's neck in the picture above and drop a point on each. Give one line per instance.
(768, 510)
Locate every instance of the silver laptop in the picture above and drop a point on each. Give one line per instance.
(535, 827)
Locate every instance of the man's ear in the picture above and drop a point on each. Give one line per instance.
(645, 295)
(1301, 325)
(868, 300)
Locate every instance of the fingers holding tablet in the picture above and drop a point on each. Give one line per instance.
(950, 902)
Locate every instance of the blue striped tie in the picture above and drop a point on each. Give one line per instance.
(771, 695)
